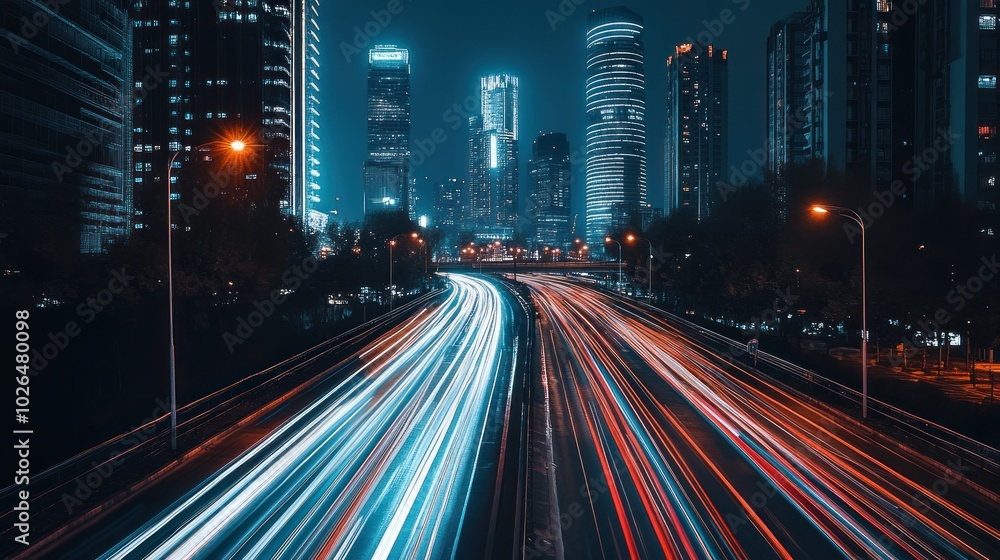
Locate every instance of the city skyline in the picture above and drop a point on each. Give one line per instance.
(549, 57)
(545, 279)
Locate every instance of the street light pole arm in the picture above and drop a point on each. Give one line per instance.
(848, 213)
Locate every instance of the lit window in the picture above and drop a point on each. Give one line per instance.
(987, 82)
(884, 6)
(988, 22)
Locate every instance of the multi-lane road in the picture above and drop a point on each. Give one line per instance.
(661, 450)
(383, 465)
(644, 444)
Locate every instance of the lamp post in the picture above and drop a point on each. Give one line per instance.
(517, 253)
(852, 215)
(633, 238)
(392, 243)
(609, 240)
(236, 146)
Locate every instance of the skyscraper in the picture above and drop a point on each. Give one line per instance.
(305, 190)
(210, 72)
(387, 169)
(450, 206)
(550, 190)
(616, 121)
(493, 159)
(697, 128)
(790, 94)
(957, 105)
(66, 108)
(838, 91)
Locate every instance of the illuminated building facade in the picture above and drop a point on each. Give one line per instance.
(387, 169)
(66, 109)
(208, 72)
(830, 89)
(696, 147)
(616, 121)
(493, 159)
(305, 192)
(550, 191)
(957, 92)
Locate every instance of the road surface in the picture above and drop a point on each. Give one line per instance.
(659, 450)
(381, 466)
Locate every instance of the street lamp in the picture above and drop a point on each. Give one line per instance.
(852, 215)
(392, 243)
(236, 146)
(632, 238)
(609, 240)
(517, 252)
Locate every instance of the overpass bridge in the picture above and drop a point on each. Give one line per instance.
(509, 266)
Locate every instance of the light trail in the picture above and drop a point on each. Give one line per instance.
(381, 466)
(706, 461)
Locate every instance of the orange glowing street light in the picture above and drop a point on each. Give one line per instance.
(392, 243)
(633, 238)
(854, 216)
(236, 146)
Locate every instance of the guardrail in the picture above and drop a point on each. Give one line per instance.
(977, 453)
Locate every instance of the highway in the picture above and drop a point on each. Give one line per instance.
(383, 465)
(659, 449)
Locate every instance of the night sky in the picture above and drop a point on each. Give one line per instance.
(452, 43)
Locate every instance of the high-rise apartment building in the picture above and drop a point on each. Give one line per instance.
(550, 190)
(696, 147)
(616, 121)
(956, 89)
(207, 73)
(830, 89)
(387, 168)
(493, 159)
(450, 206)
(66, 106)
(790, 95)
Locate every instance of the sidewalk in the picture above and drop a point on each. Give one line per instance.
(954, 379)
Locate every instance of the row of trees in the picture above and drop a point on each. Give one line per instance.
(923, 265)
